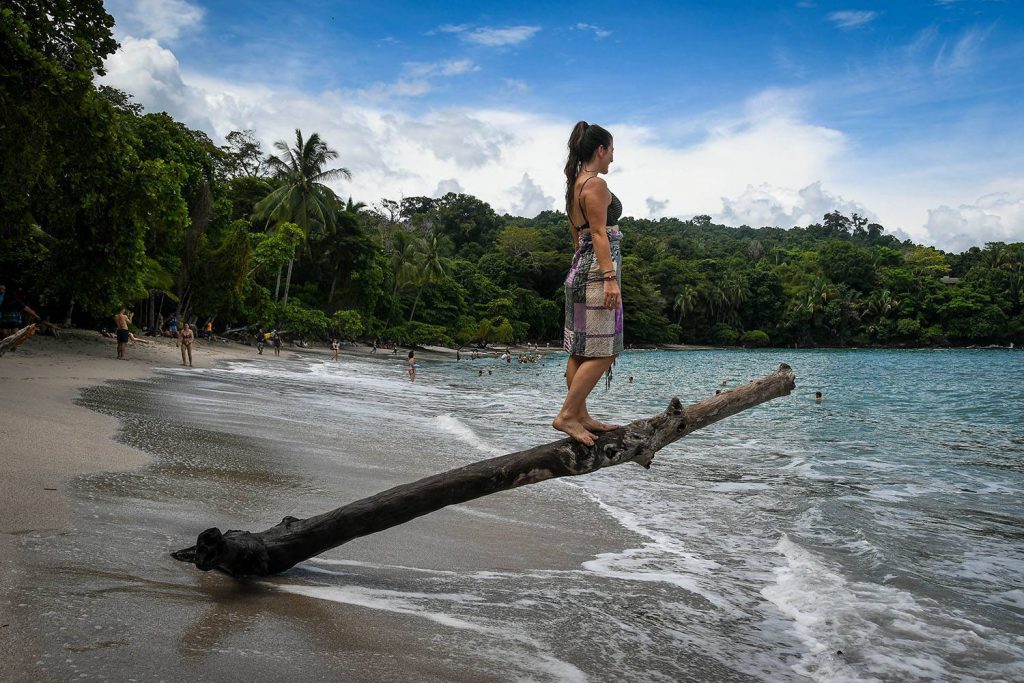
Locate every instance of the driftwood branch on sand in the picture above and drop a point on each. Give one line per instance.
(243, 553)
(17, 339)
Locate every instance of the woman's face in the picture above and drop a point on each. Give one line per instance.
(605, 156)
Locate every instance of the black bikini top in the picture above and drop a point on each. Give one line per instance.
(614, 209)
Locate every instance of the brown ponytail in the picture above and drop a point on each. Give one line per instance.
(583, 143)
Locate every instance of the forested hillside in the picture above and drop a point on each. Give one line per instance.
(102, 204)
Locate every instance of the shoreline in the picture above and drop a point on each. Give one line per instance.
(49, 440)
(58, 443)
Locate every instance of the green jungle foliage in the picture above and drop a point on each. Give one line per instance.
(102, 204)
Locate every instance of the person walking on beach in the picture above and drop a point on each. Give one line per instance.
(593, 299)
(185, 339)
(261, 340)
(12, 312)
(411, 364)
(121, 321)
(275, 340)
(335, 347)
(172, 325)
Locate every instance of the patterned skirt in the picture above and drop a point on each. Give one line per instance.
(591, 329)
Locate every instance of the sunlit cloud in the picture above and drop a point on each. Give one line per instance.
(596, 30)
(162, 20)
(850, 19)
(962, 54)
(785, 207)
(996, 217)
(491, 36)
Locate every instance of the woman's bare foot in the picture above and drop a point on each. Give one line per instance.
(573, 428)
(597, 426)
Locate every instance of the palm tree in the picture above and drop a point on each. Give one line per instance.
(686, 301)
(302, 197)
(882, 304)
(429, 267)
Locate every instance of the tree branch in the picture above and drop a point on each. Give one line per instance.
(242, 553)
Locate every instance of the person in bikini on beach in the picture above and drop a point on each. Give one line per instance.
(411, 365)
(121, 321)
(593, 299)
(275, 341)
(335, 347)
(185, 338)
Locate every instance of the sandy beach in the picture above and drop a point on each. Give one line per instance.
(48, 440)
(81, 579)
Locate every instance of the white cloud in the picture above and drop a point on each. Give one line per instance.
(531, 199)
(785, 207)
(416, 80)
(963, 54)
(401, 88)
(510, 159)
(163, 20)
(993, 218)
(850, 19)
(491, 36)
(656, 207)
(447, 185)
(597, 30)
(450, 67)
(515, 86)
(152, 75)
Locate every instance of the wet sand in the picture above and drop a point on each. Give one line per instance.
(89, 588)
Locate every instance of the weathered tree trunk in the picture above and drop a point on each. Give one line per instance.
(71, 309)
(277, 287)
(415, 302)
(288, 282)
(242, 553)
(334, 284)
(17, 339)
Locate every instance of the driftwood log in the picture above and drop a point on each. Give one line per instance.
(242, 553)
(17, 339)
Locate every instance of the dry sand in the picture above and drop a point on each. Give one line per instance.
(46, 440)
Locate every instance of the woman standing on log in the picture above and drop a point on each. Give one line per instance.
(593, 302)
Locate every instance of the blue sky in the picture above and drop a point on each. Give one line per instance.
(756, 113)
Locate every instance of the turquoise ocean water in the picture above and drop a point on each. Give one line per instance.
(878, 535)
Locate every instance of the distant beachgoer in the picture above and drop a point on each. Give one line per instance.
(208, 331)
(12, 312)
(121, 321)
(394, 350)
(135, 340)
(817, 397)
(172, 325)
(412, 365)
(489, 371)
(3, 293)
(374, 350)
(724, 383)
(480, 373)
(717, 392)
(630, 379)
(185, 338)
(261, 340)
(458, 354)
(593, 333)
(275, 341)
(335, 347)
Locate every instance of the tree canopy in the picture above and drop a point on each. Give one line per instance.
(103, 204)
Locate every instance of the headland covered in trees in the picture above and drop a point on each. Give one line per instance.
(104, 205)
